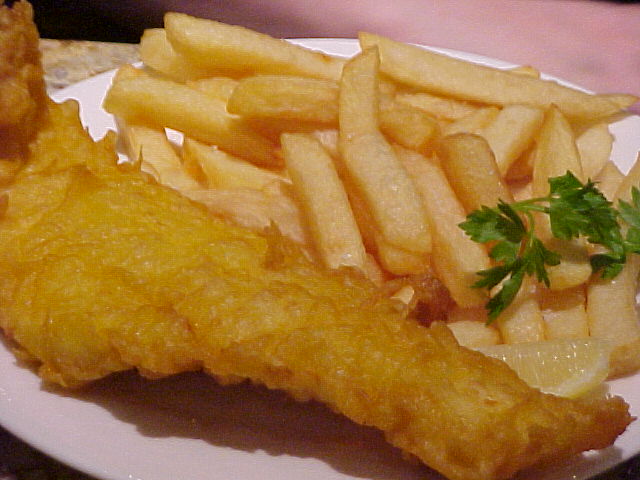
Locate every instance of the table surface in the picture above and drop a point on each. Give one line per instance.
(67, 62)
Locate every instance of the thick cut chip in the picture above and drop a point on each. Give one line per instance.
(556, 153)
(152, 148)
(564, 313)
(280, 96)
(456, 258)
(444, 108)
(445, 75)
(169, 104)
(157, 53)
(324, 202)
(222, 170)
(512, 132)
(208, 43)
(594, 146)
(472, 171)
(371, 163)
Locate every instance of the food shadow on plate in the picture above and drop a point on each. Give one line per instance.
(249, 418)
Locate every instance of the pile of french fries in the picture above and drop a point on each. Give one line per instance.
(371, 163)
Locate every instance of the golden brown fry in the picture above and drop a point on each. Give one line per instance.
(287, 97)
(408, 126)
(254, 209)
(609, 179)
(324, 202)
(511, 132)
(221, 170)
(216, 87)
(168, 104)
(449, 76)
(444, 108)
(527, 70)
(556, 153)
(564, 313)
(157, 53)
(208, 43)
(472, 171)
(472, 334)
(456, 258)
(151, 147)
(371, 164)
(594, 146)
(522, 321)
(475, 122)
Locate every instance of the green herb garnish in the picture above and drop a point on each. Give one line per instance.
(575, 210)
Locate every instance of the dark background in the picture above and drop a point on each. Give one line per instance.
(79, 20)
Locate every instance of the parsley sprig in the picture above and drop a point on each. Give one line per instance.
(575, 210)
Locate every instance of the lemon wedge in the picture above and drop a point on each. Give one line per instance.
(567, 368)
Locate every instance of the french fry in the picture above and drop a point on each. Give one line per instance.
(408, 126)
(624, 359)
(472, 171)
(157, 53)
(400, 261)
(522, 321)
(611, 306)
(224, 171)
(521, 190)
(522, 168)
(288, 97)
(472, 334)
(444, 108)
(455, 257)
(609, 179)
(594, 146)
(328, 138)
(631, 179)
(622, 100)
(527, 70)
(324, 202)
(128, 71)
(169, 104)
(208, 43)
(285, 97)
(216, 87)
(564, 313)
(151, 147)
(371, 164)
(395, 260)
(444, 75)
(511, 133)
(611, 303)
(475, 122)
(556, 153)
(373, 271)
(254, 209)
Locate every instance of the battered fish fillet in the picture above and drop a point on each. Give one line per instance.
(102, 270)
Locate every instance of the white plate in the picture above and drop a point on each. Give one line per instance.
(189, 428)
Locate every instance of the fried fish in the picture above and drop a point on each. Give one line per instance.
(104, 270)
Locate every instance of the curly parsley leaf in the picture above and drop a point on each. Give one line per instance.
(575, 210)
